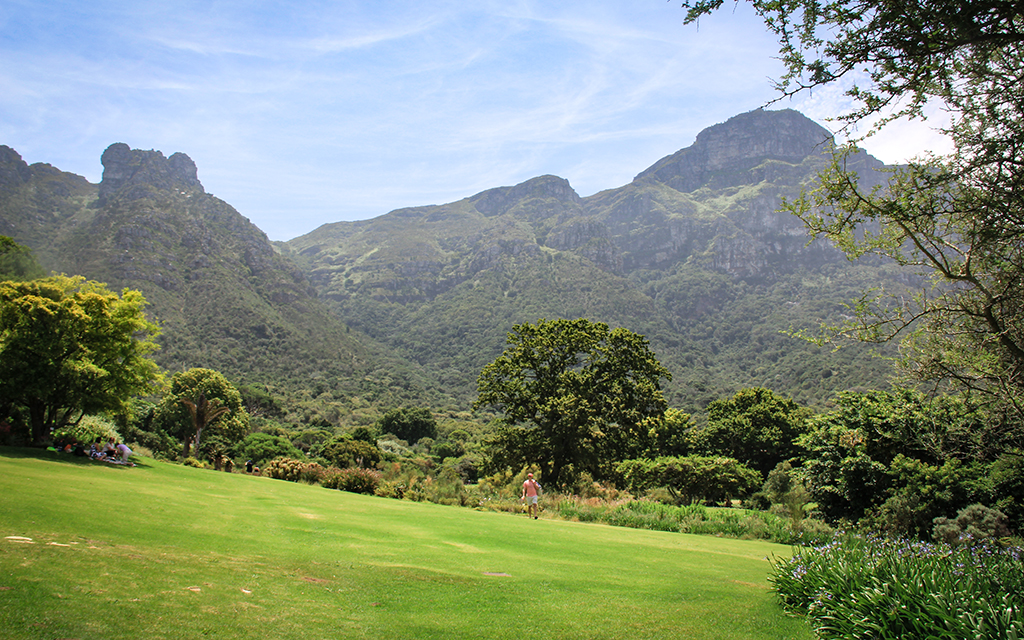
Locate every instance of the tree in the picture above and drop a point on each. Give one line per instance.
(574, 396)
(959, 219)
(755, 426)
(345, 452)
(409, 424)
(17, 261)
(899, 459)
(262, 447)
(203, 413)
(71, 347)
(209, 389)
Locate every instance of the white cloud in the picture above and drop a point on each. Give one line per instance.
(310, 113)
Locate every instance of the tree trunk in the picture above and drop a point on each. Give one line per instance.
(37, 419)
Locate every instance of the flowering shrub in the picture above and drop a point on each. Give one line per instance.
(871, 587)
(294, 470)
(355, 480)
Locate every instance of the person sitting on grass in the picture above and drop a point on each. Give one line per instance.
(96, 451)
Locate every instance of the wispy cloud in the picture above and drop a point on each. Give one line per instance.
(316, 112)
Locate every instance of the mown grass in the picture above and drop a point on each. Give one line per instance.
(164, 551)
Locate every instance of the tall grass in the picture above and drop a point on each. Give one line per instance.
(695, 518)
(860, 586)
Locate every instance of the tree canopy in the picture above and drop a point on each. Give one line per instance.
(70, 347)
(174, 416)
(755, 426)
(17, 261)
(409, 424)
(574, 396)
(957, 218)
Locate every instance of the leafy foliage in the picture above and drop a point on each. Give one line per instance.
(957, 219)
(974, 523)
(70, 347)
(294, 470)
(17, 261)
(409, 424)
(86, 430)
(173, 416)
(261, 447)
(870, 587)
(755, 426)
(574, 396)
(690, 478)
(344, 452)
(354, 480)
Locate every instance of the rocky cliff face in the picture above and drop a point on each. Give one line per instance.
(134, 173)
(714, 203)
(727, 154)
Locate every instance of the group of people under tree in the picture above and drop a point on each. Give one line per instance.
(109, 451)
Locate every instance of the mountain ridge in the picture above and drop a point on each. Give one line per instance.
(355, 317)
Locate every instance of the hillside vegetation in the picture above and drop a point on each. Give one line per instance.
(355, 318)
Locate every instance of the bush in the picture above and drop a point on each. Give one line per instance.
(260, 447)
(690, 478)
(88, 429)
(193, 462)
(294, 470)
(344, 452)
(354, 480)
(973, 523)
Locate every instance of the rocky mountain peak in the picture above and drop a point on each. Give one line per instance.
(131, 173)
(13, 170)
(737, 145)
(497, 201)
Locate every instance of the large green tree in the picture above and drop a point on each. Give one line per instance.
(70, 347)
(574, 396)
(957, 218)
(755, 426)
(409, 424)
(211, 389)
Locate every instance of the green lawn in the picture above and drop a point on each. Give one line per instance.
(165, 551)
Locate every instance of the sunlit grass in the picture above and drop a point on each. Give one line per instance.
(163, 551)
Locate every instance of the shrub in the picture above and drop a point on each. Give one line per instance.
(343, 452)
(294, 470)
(354, 480)
(260, 447)
(972, 523)
(88, 429)
(690, 478)
(193, 462)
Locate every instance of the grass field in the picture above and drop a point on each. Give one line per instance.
(165, 551)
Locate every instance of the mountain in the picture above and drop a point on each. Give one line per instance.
(357, 317)
(692, 253)
(225, 298)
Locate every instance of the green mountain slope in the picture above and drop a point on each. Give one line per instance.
(406, 308)
(225, 298)
(693, 253)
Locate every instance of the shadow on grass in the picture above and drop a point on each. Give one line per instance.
(39, 453)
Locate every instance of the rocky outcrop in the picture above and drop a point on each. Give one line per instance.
(13, 170)
(724, 155)
(132, 174)
(494, 202)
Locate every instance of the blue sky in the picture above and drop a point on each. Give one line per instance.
(300, 114)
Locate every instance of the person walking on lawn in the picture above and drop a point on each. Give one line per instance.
(531, 490)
